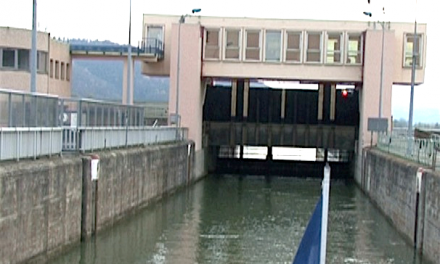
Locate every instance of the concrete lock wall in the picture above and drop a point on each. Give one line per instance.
(129, 179)
(391, 184)
(40, 207)
(49, 204)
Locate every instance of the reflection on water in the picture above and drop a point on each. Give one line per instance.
(231, 219)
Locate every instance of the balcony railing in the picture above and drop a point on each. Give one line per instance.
(152, 46)
(148, 46)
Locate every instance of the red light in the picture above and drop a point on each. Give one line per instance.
(344, 93)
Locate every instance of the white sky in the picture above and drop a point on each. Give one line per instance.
(108, 20)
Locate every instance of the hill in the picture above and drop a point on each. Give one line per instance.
(102, 80)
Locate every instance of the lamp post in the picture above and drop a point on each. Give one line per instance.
(129, 62)
(411, 98)
(181, 21)
(33, 57)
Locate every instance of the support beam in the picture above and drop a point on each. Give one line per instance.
(246, 99)
(283, 104)
(125, 83)
(321, 88)
(234, 99)
(333, 102)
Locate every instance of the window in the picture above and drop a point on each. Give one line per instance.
(42, 62)
(313, 47)
(8, 58)
(232, 46)
(293, 47)
(155, 32)
(252, 45)
(51, 68)
(212, 44)
(67, 72)
(410, 43)
(154, 37)
(273, 46)
(334, 48)
(62, 71)
(57, 69)
(354, 49)
(23, 59)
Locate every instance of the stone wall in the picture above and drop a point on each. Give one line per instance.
(391, 184)
(50, 204)
(40, 207)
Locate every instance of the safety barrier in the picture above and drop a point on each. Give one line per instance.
(423, 151)
(84, 139)
(18, 143)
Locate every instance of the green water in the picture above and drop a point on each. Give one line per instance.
(231, 219)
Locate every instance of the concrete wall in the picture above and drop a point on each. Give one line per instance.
(48, 205)
(390, 182)
(130, 179)
(40, 207)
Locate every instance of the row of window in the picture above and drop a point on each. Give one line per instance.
(293, 46)
(61, 70)
(19, 59)
(283, 46)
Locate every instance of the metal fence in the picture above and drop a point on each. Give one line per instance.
(423, 151)
(33, 125)
(19, 109)
(85, 139)
(18, 143)
(92, 113)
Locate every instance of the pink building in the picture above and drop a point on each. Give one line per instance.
(324, 53)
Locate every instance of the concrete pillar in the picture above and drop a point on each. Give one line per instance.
(371, 80)
(234, 99)
(320, 101)
(124, 82)
(283, 104)
(246, 99)
(332, 102)
(191, 88)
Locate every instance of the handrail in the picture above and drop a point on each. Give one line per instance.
(423, 151)
(146, 46)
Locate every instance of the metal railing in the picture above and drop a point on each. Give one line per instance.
(20, 109)
(146, 46)
(84, 139)
(151, 46)
(423, 151)
(34, 125)
(18, 143)
(94, 113)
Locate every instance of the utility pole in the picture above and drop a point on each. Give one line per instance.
(33, 57)
(130, 63)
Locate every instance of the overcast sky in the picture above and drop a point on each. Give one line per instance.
(108, 20)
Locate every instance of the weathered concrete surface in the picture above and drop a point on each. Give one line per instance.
(40, 207)
(50, 204)
(391, 184)
(431, 223)
(130, 179)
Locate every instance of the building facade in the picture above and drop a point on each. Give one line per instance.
(328, 53)
(53, 62)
